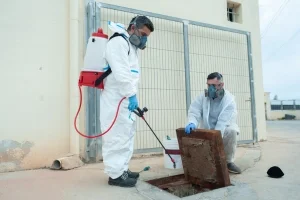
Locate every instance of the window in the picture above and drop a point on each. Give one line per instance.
(234, 12)
(288, 107)
(275, 107)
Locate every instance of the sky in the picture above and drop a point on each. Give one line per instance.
(280, 43)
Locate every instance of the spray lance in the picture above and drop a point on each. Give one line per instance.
(140, 114)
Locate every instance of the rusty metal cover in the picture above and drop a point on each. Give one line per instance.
(203, 158)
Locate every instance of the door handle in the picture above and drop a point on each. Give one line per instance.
(248, 99)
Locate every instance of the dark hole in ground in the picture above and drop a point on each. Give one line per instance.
(178, 186)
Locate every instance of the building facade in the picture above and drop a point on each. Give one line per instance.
(47, 55)
(278, 109)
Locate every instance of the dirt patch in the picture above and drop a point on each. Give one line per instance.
(12, 153)
(186, 190)
(199, 159)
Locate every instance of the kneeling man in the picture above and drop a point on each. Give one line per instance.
(216, 109)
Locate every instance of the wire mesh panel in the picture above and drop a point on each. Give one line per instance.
(162, 78)
(297, 104)
(213, 50)
(288, 105)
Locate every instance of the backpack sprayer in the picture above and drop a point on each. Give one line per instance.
(95, 71)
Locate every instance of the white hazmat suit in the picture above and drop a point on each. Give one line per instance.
(117, 145)
(218, 114)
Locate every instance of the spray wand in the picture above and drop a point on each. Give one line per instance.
(140, 113)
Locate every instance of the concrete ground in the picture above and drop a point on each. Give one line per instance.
(283, 150)
(89, 182)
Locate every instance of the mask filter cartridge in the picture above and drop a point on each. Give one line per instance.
(138, 41)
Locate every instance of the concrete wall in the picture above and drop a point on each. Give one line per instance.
(215, 12)
(267, 105)
(34, 62)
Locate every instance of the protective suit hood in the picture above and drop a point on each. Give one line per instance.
(117, 28)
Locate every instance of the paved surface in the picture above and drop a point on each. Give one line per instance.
(282, 149)
(89, 182)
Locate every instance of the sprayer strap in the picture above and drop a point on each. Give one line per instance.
(105, 74)
(123, 36)
(102, 77)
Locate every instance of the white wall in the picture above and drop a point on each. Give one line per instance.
(214, 12)
(34, 121)
(279, 114)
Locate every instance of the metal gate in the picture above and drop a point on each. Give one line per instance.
(226, 52)
(179, 56)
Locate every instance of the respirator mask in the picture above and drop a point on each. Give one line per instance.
(138, 41)
(213, 93)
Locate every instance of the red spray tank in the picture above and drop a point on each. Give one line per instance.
(94, 71)
(94, 61)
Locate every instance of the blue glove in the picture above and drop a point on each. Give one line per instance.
(133, 103)
(190, 127)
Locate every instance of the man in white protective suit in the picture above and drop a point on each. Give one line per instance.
(122, 57)
(216, 110)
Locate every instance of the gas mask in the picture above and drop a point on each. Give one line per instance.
(138, 41)
(213, 93)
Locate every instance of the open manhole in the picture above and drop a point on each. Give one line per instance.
(204, 164)
(178, 186)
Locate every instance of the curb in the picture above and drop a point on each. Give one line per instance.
(251, 156)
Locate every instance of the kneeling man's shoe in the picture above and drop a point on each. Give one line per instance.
(233, 168)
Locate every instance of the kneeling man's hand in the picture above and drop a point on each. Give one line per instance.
(189, 128)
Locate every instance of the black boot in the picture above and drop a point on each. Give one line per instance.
(123, 181)
(134, 175)
(233, 168)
